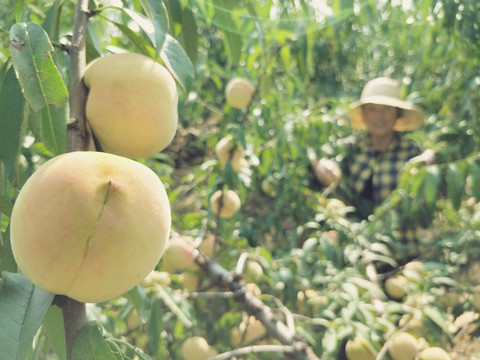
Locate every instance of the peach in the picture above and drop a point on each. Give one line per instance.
(359, 348)
(249, 330)
(239, 92)
(253, 271)
(131, 105)
(179, 254)
(434, 353)
(395, 287)
(225, 203)
(403, 346)
(226, 152)
(414, 271)
(195, 348)
(90, 225)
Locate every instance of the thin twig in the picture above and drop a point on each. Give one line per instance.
(255, 349)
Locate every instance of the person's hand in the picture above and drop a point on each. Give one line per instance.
(427, 157)
(326, 171)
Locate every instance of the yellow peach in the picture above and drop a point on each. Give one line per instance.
(195, 348)
(207, 246)
(253, 271)
(226, 152)
(403, 346)
(131, 105)
(225, 203)
(395, 287)
(434, 353)
(179, 254)
(359, 348)
(239, 92)
(90, 225)
(249, 330)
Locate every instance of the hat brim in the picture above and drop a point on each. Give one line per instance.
(412, 118)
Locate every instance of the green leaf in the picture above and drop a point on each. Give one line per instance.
(136, 39)
(90, 344)
(232, 37)
(436, 316)
(154, 327)
(51, 24)
(39, 78)
(54, 125)
(7, 261)
(177, 61)
(23, 307)
(20, 7)
(474, 170)
(139, 300)
(54, 327)
(431, 183)
(93, 44)
(11, 118)
(190, 34)
(455, 184)
(158, 13)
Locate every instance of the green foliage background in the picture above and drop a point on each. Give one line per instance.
(307, 62)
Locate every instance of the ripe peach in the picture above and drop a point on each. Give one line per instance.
(253, 271)
(254, 289)
(179, 254)
(403, 346)
(395, 287)
(195, 348)
(248, 330)
(268, 187)
(414, 271)
(434, 353)
(359, 348)
(225, 150)
(239, 92)
(131, 105)
(207, 246)
(90, 225)
(189, 280)
(225, 203)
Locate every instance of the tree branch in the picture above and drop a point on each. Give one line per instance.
(299, 348)
(78, 135)
(74, 312)
(254, 350)
(74, 317)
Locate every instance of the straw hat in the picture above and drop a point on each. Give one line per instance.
(386, 91)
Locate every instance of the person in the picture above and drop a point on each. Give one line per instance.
(373, 160)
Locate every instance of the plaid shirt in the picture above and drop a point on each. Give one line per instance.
(365, 167)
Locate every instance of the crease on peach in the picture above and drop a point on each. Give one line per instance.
(88, 242)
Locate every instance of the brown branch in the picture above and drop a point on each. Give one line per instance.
(74, 312)
(300, 350)
(74, 317)
(78, 135)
